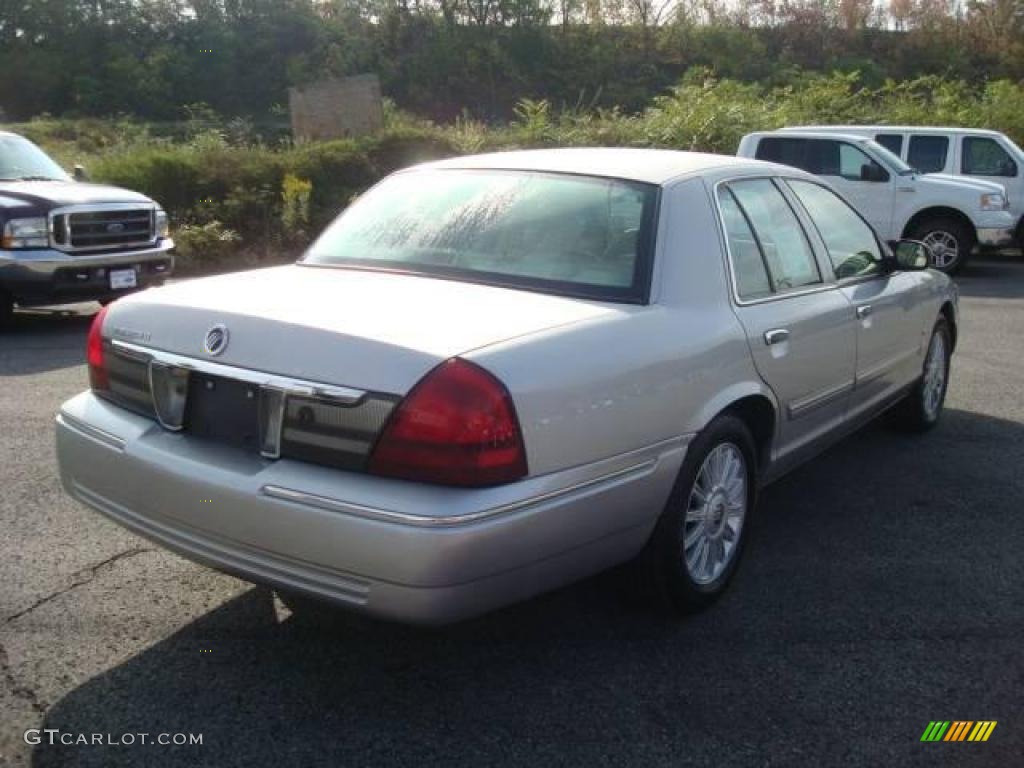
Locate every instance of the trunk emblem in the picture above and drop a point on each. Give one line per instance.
(216, 340)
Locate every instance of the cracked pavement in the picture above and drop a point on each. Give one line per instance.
(883, 588)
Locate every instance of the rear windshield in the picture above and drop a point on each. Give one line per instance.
(554, 233)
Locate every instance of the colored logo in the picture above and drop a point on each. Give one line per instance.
(958, 730)
(216, 340)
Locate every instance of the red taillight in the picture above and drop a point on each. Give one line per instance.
(458, 426)
(94, 353)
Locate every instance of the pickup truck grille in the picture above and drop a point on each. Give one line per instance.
(305, 427)
(103, 228)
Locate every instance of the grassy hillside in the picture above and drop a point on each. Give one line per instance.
(241, 198)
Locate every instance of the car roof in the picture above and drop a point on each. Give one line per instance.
(653, 166)
(813, 134)
(891, 129)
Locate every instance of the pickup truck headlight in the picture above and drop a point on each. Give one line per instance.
(994, 201)
(163, 225)
(26, 233)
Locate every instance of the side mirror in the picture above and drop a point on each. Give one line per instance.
(79, 174)
(911, 255)
(873, 172)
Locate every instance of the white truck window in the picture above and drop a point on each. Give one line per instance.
(928, 153)
(985, 157)
(891, 141)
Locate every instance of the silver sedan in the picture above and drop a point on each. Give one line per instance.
(494, 375)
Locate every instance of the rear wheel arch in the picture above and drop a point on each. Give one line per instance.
(758, 413)
(950, 315)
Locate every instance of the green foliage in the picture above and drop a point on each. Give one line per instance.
(242, 200)
(295, 196)
(202, 247)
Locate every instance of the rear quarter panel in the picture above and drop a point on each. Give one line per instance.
(644, 374)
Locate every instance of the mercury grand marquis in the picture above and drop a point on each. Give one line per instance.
(494, 375)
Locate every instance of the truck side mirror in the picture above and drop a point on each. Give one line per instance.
(79, 174)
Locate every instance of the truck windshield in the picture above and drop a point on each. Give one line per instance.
(889, 158)
(21, 160)
(553, 233)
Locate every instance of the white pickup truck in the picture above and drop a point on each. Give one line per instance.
(951, 214)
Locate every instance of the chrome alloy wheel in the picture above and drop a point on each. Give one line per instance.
(945, 248)
(934, 376)
(715, 512)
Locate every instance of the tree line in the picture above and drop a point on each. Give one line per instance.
(448, 58)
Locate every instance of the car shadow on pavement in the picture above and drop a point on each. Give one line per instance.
(866, 568)
(995, 276)
(41, 340)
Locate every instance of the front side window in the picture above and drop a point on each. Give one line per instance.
(555, 233)
(784, 248)
(852, 246)
(928, 153)
(20, 159)
(855, 165)
(984, 157)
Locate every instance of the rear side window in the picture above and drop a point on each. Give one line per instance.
(985, 157)
(928, 153)
(778, 234)
(747, 263)
(791, 152)
(851, 243)
(891, 141)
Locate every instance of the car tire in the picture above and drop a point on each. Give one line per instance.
(6, 310)
(950, 240)
(920, 410)
(699, 539)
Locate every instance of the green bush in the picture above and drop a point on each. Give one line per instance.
(203, 247)
(295, 197)
(232, 197)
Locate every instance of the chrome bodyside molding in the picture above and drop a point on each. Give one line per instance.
(882, 368)
(805, 405)
(631, 472)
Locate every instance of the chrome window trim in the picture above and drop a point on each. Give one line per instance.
(67, 210)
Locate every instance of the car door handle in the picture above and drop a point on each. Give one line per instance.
(864, 310)
(776, 336)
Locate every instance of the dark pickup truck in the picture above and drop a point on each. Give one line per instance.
(64, 241)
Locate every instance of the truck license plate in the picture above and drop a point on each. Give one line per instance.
(122, 278)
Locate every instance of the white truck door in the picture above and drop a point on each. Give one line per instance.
(860, 179)
(992, 159)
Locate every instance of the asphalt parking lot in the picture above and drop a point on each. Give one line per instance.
(883, 589)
